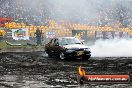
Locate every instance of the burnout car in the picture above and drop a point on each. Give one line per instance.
(67, 47)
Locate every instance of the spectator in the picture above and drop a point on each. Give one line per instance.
(38, 37)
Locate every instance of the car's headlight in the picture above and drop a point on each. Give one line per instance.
(87, 49)
(69, 50)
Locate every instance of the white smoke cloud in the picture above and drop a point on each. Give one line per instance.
(112, 48)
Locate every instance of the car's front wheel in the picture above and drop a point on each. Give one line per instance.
(62, 56)
(86, 57)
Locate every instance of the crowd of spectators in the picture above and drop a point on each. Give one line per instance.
(36, 12)
(19, 10)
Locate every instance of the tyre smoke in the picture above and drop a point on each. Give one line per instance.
(112, 48)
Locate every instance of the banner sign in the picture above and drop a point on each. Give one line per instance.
(80, 34)
(99, 35)
(3, 21)
(111, 34)
(124, 35)
(50, 34)
(117, 34)
(20, 34)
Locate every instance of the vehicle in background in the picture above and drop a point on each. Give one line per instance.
(67, 47)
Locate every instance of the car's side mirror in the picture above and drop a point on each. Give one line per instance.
(82, 41)
(56, 44)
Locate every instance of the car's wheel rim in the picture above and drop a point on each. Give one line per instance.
(62, 56)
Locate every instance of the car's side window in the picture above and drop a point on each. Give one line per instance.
(52, 41)
(56, 41)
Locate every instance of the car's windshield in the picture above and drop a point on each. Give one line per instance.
(68, 41)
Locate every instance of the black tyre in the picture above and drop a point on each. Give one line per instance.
(50, 55)
(62, 56)
(86, 57)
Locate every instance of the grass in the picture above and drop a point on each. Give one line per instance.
(3, 45)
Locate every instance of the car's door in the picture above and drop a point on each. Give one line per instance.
(56, 46)
(51, 45)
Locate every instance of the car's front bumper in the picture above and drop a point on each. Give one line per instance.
(77, 54)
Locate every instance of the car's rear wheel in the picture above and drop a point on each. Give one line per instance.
(62, 56)
(49, 55)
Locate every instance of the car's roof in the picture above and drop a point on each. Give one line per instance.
(65, 37)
